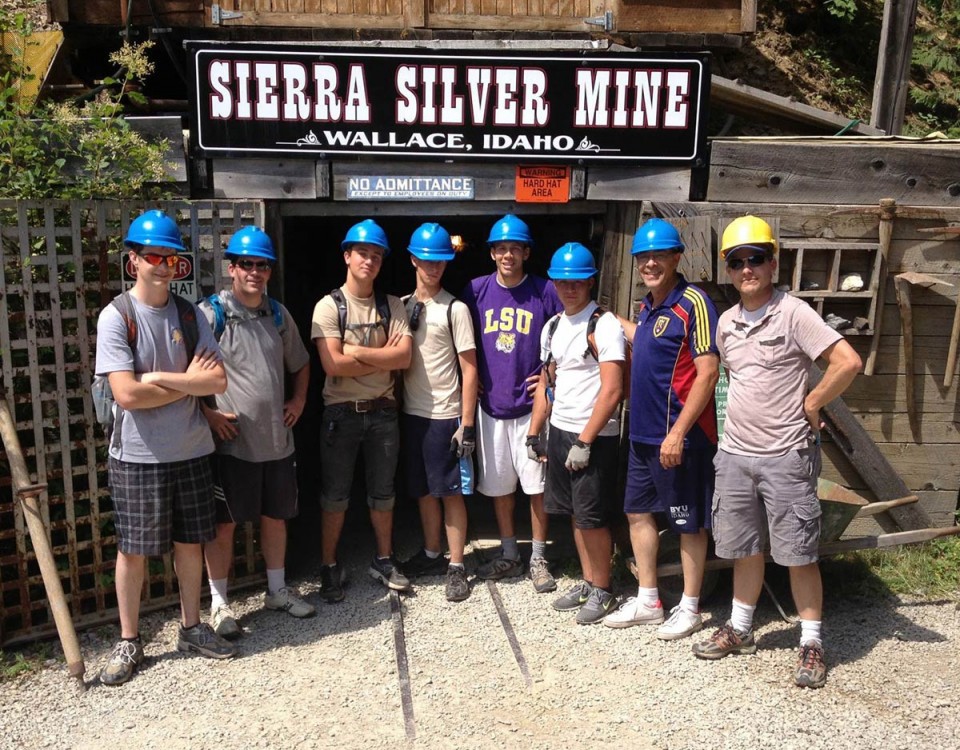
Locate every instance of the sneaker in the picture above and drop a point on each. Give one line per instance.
(500, 567)
(421, 565)
(725, 640)
(543, 581)
(598, 605)
(123, 662)
(575, 597)
(200, 639)
(225, 622)
(457, 587)
(388, 572)
(331, 583)
(680, 624)
(634, 612)
(286, 600)
(811, 668)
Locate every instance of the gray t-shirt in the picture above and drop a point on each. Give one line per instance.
(162, 434)
(257, 355)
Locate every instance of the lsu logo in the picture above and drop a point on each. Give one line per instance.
(506, 342)
(177, 336)
(660, 326)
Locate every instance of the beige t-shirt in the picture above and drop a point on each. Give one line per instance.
(431, 387)
(365, 328)
(767, 364)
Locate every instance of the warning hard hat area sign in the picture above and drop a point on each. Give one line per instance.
(183, 281)
(536, 184)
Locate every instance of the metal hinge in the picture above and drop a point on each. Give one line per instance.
(606, 21)
(218, 16)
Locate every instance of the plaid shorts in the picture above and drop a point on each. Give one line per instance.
(158, 504)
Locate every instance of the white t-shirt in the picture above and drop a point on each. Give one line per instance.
(578, 373)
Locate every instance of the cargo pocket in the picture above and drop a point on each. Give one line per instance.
(807, 537)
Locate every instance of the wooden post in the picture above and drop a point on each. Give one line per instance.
(893, 65)
(888, 209)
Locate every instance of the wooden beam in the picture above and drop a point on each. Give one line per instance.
(893, 65)
(265, 178)
(756, 104)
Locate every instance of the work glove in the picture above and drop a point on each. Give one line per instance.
(578, 458)
(535, 451)
(464, 440)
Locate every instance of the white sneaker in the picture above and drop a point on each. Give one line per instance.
(680, 624)
(634, 612)
(225, 622)
(287, 601)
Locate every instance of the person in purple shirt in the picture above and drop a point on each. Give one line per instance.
(509, 309)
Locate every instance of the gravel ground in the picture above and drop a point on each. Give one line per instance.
(333, 681)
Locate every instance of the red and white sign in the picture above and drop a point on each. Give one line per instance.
(182, 283)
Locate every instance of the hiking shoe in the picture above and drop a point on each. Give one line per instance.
(421, 565)
(123, 662)
(680, 624)
(200, 639)
(811, 668)
(225, 622)
(599, 604)
(500, 567)
(575, 597)
(286, 600)
(634, 612)
(387, 571)
(725, 640)
(331, 583)
(457, 587)
(543, 581)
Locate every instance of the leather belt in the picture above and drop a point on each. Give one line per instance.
(370, 404)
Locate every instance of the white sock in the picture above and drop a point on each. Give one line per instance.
(431, 554)
(276, 579)
(810, 633)
(456, 565)
(742, 616)
(649, 597)
(218, 592)
(690, 604)
(510, 549)
(539, 549)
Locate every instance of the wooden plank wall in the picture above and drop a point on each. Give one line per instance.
(931, 467)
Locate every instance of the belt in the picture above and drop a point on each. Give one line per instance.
(370, 404)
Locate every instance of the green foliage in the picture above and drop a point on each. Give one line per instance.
(935, 89)
(23, 662)
(70, 150)
(842, 10)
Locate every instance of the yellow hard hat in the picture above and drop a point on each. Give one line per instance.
(747, 230)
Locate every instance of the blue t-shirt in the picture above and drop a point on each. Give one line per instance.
(668, 338)
(507, 323)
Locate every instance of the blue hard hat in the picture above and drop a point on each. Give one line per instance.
(572, 261)
(251, 242)
(654, 235)
(431, 241)
(154, 229)
(510, 229)
(367, 232)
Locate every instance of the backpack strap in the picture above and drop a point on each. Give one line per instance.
(219, 315)
(188, 324)
(592, 350)
(341, 304)
(125, 306)
(383, 310)
(277, 313)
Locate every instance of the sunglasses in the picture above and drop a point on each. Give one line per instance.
(155, 259)
(754, 261)
(415, 316)
(249, 265)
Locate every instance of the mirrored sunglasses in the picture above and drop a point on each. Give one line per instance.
(155, 259)
(755, 261)
(248, 265)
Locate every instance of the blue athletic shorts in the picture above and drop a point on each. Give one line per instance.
(430, 467)
(683, 493)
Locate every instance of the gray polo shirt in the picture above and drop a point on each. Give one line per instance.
(767, 363)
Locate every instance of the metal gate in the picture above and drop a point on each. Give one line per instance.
(60, 263)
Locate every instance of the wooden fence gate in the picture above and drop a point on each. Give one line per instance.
(60, 263)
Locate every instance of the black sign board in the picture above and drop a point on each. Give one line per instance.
(319, 101)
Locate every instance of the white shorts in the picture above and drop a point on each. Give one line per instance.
(502, 458)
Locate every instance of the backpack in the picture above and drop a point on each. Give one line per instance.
(220, 317)
(383, 310)
(103, 401)
(449, 328)
(590, 351)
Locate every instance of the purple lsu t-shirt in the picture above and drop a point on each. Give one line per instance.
(508, 324)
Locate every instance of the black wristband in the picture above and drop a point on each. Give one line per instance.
(533, 440)
(580, 444)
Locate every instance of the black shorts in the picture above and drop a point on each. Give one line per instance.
(157, 504)
(246, 490)
(587, 495)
